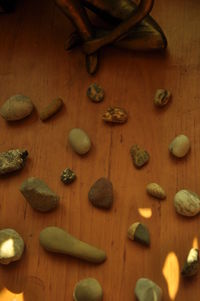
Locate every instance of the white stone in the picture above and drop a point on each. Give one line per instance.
(180, 146)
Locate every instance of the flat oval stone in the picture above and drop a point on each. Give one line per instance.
(39, 195)
(88, 289)
(101, 193)
(180, 146)
(187, 202)
(11, 246)
(79, 141)
(147, 290)
(16, 107)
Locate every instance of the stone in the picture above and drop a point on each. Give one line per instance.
(147, 290)
(11, 246)
(39, 195)
(140, 233)
(95, 92)
(156, 191)
(191, 265)
(79, 141)
(187, 203)
(12, 160)
(68, 176)
(51, 109)
(162, 97)
(101, 194)
(16, 107)
(88, 289)
(115, 115)
(180, 146)
(57, 240)
(140, 157)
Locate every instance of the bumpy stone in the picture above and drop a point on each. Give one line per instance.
(191, 266)
(115, 115)
(180, 146)
(11, 246)
(68, 176)
(79, 141)
(16, 107)
(95, 93)
(39, 195)
(12, 160)
(187, 203)
(162, 97)
(88, 289)
(101, 193)
(139, 156)
(156, 191)
(147, 290)
(140, 233)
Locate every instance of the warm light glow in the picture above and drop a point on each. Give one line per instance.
(195, 243)
(7, 248)
(6, 295)
(171, 274)
(145, 212)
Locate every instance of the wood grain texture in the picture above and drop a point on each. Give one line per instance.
(33, 62)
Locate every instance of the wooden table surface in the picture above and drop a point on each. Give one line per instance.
(34, 63)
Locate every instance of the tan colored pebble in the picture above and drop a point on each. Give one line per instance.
(162, 97)
(115, 115)
(51, 109)
(156, 191)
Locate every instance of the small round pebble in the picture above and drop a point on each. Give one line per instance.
(68, 176)
(101, 193)
(17, 107)
(95, 93)
(79, 141)
(147, 290)
(180, 146)
(88, 289)
(162, 97)
(11, 246)
(156, 191)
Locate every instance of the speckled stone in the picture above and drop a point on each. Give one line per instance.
(12, 160)
(139, 156)
(95, 93)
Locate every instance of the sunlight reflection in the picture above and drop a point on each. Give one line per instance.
(195, 243)
(6, 295)
(145, 212)
(7, 248)
(171, 274)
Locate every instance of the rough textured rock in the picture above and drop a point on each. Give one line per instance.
(162, 97)
(79, 141)
(101, 193)
(16, 107)
(12, 160)
(39, 195)
(187, 202)
(147, 290)
(115, 115)
(68, 176)
(88, 289)
(95, 93)
(140, 233)
(11, 246)
(139, 156)
(180, 146)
